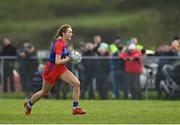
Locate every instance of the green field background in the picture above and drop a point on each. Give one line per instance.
(152, 21)
(105, 112)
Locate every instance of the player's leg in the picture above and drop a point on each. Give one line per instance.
(70, 78)
(46, 87)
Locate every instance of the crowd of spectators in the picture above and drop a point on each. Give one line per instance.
(115, 68)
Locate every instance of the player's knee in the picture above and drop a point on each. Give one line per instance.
(47, 93)
(44, 93)
(76, 84)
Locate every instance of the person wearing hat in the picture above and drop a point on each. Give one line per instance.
(133, 69)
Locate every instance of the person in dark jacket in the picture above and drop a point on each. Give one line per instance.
(88, 72)
(102, 71)
(28, 64)
(8, 50)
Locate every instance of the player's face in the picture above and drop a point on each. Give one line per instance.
(68, 35)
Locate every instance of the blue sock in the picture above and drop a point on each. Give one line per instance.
(75, 104)
(30, 103)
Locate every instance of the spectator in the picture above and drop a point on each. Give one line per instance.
(97, 41)
(37, 79)
(88, 72)
(164, 50)
(117, 69)
(26, 63)
(137, 44)
(102, 71)
(114, 47)
(8, 50)
(133, 69)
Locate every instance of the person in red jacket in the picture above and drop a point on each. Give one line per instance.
(133, 69)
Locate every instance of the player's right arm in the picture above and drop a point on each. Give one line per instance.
(58, 52)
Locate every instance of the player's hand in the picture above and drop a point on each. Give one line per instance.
(131, 58)
(68, 58)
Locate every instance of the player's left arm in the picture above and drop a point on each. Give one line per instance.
(58, 59)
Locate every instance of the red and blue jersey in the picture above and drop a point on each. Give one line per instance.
(51, 70)
(58, 47)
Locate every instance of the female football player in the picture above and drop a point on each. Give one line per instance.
(55, 68)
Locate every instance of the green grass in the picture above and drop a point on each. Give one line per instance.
(110, 111)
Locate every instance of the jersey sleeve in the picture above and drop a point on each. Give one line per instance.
(59, 48)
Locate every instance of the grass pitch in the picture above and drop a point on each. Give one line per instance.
(98, 111)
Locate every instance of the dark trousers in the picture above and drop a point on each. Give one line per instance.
(133, 81)
(87, 85)
(120, 84)
(102, 86)
(159, 77)
(8, 74)
(5, 82)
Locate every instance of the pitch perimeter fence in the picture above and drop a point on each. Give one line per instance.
(99, 72)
